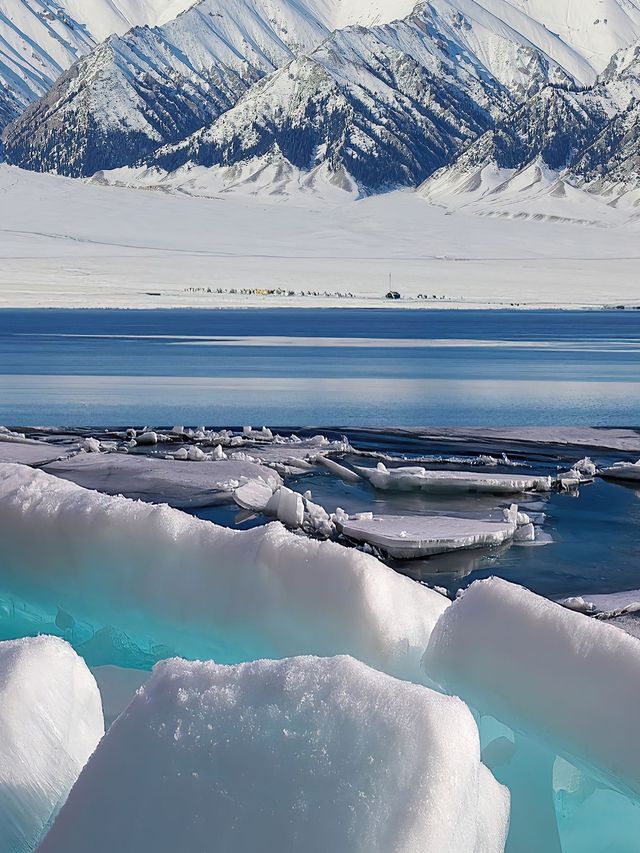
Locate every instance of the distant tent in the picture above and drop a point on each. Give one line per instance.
(393, 294)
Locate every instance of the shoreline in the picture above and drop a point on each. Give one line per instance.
(335, 305)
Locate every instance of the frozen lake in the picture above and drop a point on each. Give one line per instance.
(331, 366)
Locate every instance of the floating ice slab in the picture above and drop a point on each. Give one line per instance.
(569, 679)
(206, 590)
(408, 537)
(305, 754)
(629, 471)
(420, 479)
(50, 723)
(180, 484)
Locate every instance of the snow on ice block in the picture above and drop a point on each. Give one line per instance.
(180, 484)
(420, 479)
(629, 471)
(50, 723)
(205, 590)
(542, 669)
(407, 537)
(305, 754)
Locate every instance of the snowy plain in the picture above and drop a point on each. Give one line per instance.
(66, 243)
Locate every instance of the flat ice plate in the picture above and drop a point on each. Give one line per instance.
(410, 478)
(149, 478)
(408, 537)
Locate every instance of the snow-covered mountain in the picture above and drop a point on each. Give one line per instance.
(387, 106)
(39, 39)
(586, 138)
(359, 95)
(156, 85)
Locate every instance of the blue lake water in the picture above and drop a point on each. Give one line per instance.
(332, 366)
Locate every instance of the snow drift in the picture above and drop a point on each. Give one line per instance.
(205, 590)
(302, 754)
(50, 723)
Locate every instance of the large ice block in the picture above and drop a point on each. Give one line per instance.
(305, 754)
(206, 591)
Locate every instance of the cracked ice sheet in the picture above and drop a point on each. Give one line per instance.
(407, 537)
(148, 478)
(604, 438)
(29, 452)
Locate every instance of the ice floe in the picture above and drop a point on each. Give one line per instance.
(412, 537)
(416, 478)
(50, 723)
(150, 478)
(302, 754)
(626, 471)
(207, 591)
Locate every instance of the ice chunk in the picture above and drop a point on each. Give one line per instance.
(411, 537)
(578, 603)
(306, 754)
(147, 438)
(608, 604)
(50, 723)
(203, 589)
(287, 506)
(254, 495)
(569, 679)
(161, 480)
(420, 479)
(340, 471)
(525, 533)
